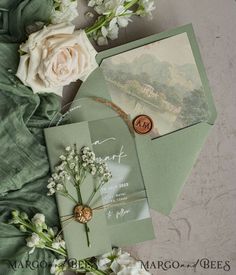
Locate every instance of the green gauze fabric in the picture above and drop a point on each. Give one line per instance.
(24, 166)
(16, 15)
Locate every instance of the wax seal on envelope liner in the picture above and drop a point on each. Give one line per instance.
(142, 124)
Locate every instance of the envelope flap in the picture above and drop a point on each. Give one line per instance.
(88, 109)
(167, 161)
(94, 85)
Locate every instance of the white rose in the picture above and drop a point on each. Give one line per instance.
(54, 57)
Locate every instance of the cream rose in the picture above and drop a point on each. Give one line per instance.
(54, 57)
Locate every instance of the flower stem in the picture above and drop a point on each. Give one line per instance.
(130, 4)
(87, 234)
(96, 26)
(67, 195)
(57, 251)
(80, 200)
(107, 18)
(85, 225)
(94, 193)
(43, 236)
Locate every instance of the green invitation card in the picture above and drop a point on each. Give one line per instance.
(121, 205)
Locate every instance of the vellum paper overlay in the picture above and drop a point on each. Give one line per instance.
(125, 205)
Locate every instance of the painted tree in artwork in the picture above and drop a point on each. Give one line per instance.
(194, 108)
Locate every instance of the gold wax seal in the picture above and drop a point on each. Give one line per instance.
(142, 124)
(83, 213)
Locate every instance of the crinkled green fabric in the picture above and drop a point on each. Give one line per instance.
(24, 165)
(22, 13)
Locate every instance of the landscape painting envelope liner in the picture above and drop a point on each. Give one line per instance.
(165, 161)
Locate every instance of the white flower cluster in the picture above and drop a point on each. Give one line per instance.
(118, 14)
(64, 11)
(95, 167)
(73, 165)
(56, 182)
(59, 266)
(120, 263)
(146, 7)
(38, 220)
(58, 243)
(34, 241)
(41, 240)
(121, 18)
(42, 235)
(62, 172)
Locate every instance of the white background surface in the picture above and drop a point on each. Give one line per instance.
(203, 222)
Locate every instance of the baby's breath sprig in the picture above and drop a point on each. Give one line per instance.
(74, 166)
(96, 167)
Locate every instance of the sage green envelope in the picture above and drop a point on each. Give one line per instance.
(165, 161)
(127, 209)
